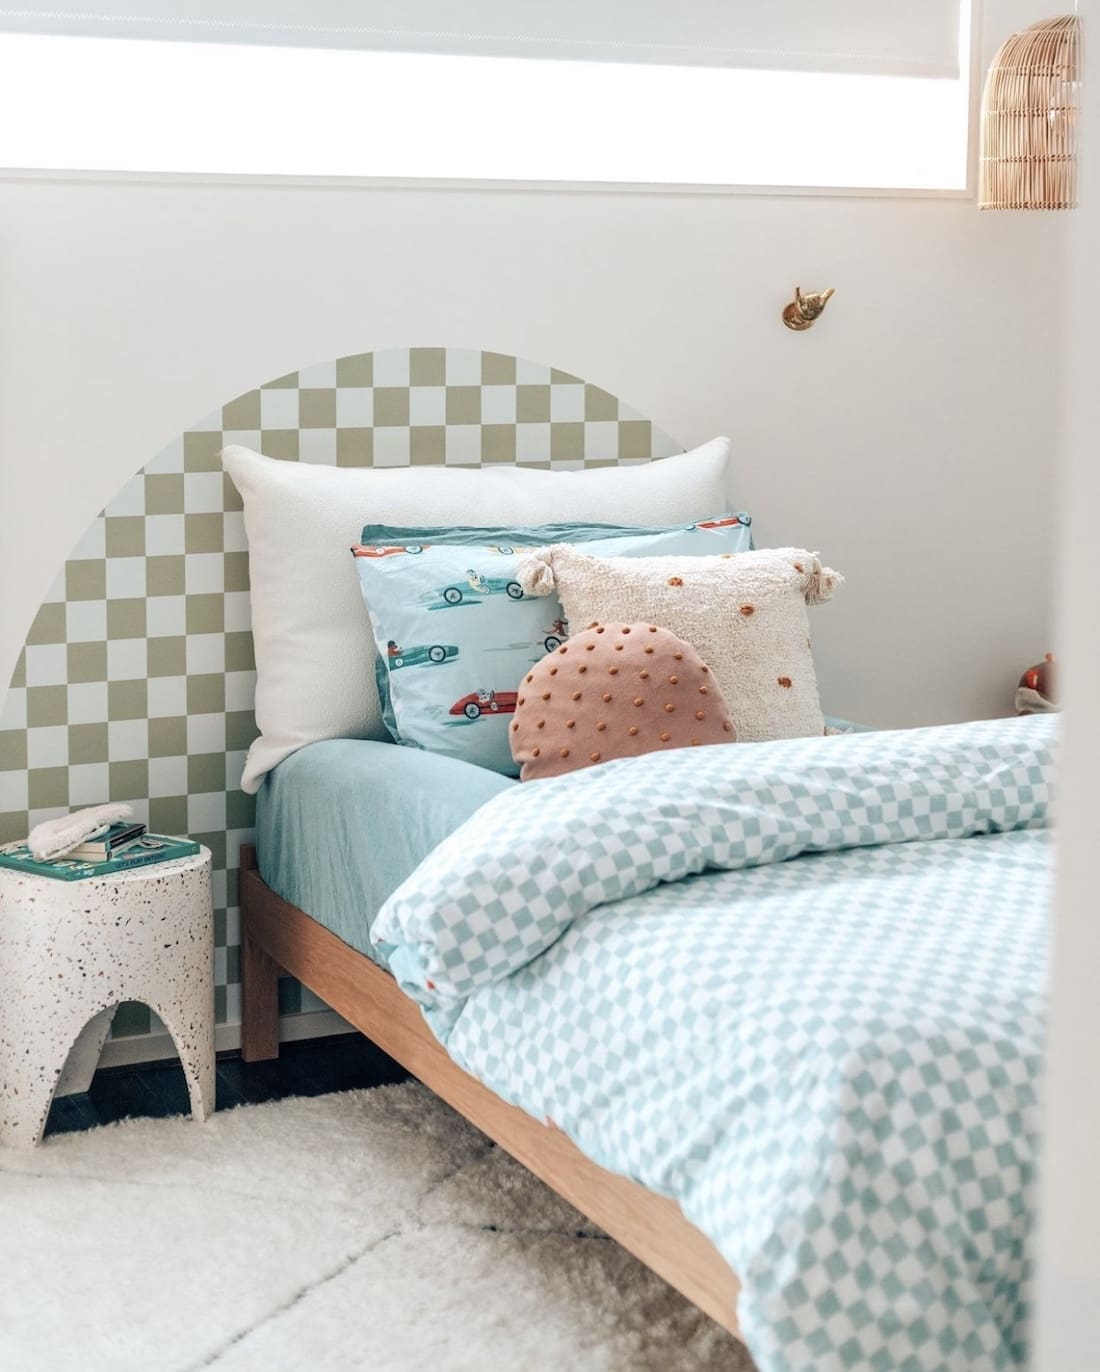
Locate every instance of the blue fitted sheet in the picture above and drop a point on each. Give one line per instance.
(340, 824)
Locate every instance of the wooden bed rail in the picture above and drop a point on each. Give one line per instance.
(275, 934)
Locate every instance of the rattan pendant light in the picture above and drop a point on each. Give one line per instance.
(1029, 120)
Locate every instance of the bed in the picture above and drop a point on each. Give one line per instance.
(845, 1122)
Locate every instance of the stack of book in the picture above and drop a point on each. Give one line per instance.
(109, 844)
(119, 848)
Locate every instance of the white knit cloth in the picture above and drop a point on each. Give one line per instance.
(54, 837)
(745, 613)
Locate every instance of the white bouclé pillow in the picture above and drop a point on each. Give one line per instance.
(314, 652)
(744, 613)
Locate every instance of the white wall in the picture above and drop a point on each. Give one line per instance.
(908, 436)
(1069, 1278)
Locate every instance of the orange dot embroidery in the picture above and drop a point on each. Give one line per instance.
(562, 650)
(632, 730)
(703, 691)
(649, 650)
(530, 678)
(535, 752)
(644, 674)
(514, 727)
(669, 709)
(699, 714)
(595, 757)
(618, 647)
(747, 610)
(553, 671)
(582, 668)
(570, 723)
(612, 671)
(563, 752)
(575, 696)
(601, 725)
(541, 724)
(784, 680)
(677, 656)
(638, 700)
(652, 630)
(520, 701)
(676, 581)
(798, 566)
(674, 680)
(606, 696)
(728, 727)
(546, 695)
(589, 647)
(626, 628)
(665, 738)
(600, 629)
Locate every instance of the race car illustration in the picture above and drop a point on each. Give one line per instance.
(556, 634)
(369, 550)
(479, 703)
(727, 523)
(478, 586)
(421, 653)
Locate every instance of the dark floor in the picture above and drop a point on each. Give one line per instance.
(309, 1068)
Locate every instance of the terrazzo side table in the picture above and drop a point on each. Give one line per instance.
(70, 951)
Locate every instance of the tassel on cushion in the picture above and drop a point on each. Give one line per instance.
(819, 583)
(535, 572)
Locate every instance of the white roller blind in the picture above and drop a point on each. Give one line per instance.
(884, 37)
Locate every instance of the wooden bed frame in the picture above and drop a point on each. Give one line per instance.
(275, 934)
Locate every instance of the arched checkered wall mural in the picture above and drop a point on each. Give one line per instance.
(136, 681)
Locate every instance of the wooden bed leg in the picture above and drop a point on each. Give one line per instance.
(259, 982)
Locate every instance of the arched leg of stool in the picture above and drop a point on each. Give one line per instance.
(37, 1038)
(23, 1111)
(83, 1059)
(192, 1031)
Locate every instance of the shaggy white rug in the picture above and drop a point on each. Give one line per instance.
(368, 1230)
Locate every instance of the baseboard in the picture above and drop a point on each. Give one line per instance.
(311, 1024)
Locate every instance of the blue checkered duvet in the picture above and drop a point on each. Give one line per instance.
(830, 1061)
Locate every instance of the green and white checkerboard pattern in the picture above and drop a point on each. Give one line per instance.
(492, 898)
(136, 682)
(832, 1063)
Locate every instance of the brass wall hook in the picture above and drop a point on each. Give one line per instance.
(804, 309)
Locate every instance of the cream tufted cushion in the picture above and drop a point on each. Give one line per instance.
(615, 690)
(745, 613)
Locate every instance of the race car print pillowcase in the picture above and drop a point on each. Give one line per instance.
(456, 632)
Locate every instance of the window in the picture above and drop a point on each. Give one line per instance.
(889, 111)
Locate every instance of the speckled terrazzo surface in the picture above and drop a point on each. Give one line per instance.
(71, 951)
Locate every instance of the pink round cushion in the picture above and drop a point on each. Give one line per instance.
(615, 690)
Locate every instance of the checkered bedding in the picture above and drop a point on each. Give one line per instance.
(831, 1063)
